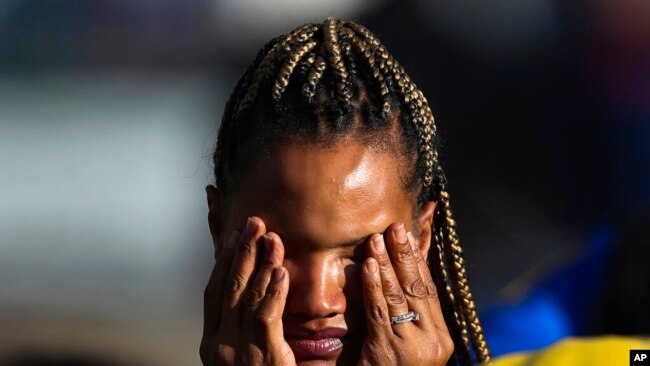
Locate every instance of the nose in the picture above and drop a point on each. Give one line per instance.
(315, 289)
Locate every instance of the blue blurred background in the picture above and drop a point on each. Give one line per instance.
(109, 112)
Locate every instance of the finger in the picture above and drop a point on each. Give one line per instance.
(406, 268)
(243, 266)
(269, 315)
(376, 308)
(395, 299)
(271, 259)
(432, 292)
(423, 266)
(213, 295)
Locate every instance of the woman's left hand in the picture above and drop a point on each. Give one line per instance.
(396, 280)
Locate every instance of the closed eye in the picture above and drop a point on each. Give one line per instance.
(358, 254)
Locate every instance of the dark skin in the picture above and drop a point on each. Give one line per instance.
(320, 238)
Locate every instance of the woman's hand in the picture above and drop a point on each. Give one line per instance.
(244, 302)
(396, 280)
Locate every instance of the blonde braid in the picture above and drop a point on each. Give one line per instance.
(268, 65)
(314, 76)
(333, 47)
(282, 80)
(367, 46)
(307, 63)
(462, 289)
(460, 335)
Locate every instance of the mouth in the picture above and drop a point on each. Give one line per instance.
(322, 343)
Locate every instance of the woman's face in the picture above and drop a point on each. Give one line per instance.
(324, 204)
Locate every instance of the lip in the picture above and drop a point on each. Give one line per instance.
(320, 343)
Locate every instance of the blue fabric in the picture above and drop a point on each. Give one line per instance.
(557, 307)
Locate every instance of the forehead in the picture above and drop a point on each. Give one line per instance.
(325, 195)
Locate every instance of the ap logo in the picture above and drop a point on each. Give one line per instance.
(639, 357)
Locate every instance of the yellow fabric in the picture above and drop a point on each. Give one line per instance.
(606, 351)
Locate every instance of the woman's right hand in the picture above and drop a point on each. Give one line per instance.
(244, 301)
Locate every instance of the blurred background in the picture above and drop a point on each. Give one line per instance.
(108, 117)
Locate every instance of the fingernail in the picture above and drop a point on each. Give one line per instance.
(401, 234)
(372, 266)
(378, 242)
(268, 243)
(278, 274)
(411, 240)
(233, 239)
(250, 227)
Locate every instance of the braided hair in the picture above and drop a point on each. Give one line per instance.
(332, 80)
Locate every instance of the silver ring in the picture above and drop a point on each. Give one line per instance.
(411, 316)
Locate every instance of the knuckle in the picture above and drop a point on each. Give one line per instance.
(274, 291)
(404, 255)
(416, 288)
(245, 247)
(378, 314)
(253, 298)
(432, 290)
(444, 348)
(213, 352)
(395, 295)
(235, 284)
(223, 356)
(418, 256)
(396, 299)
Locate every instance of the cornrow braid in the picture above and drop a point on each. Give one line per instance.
(312, 83)
(367, 50)
(269, 64)
(287, 69)
(333, 48)
(307, 63)
(314, 76)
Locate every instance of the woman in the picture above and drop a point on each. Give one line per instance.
(334, 237)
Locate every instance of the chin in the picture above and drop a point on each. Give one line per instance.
(320, 362)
